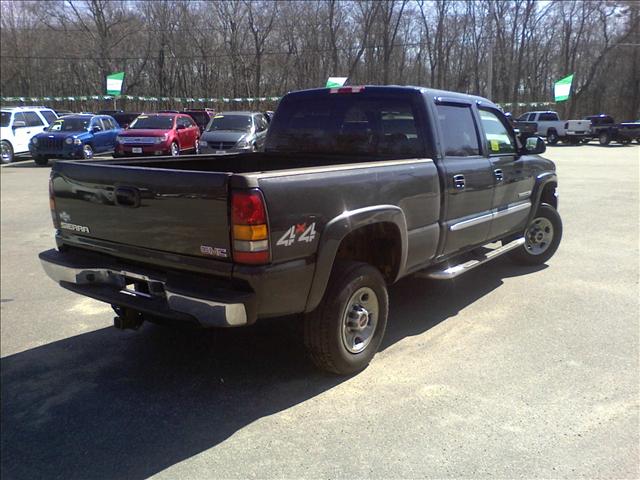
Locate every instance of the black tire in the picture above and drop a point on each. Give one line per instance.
(604, 138)
(41, 161)
(325, 329)
(537, 250)
(87, 152)
(552, 137)
(6, 152)
(174, 150)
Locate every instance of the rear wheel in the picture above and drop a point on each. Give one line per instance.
(174, 150)
(552, 137)
(41, 161)
(6, 152)
(344, 332)
(196, 148)
(542, 237)
(604, 138)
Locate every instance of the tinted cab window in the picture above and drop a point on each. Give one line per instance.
(548, 117)
(32, 119)
(373, 124)
(49, 116)
(458, 131)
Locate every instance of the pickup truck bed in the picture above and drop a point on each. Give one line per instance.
(358, 187)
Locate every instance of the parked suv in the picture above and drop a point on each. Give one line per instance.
(235, 132)
(75, 136)
(19, 124)
(201, 116)
(159, 134)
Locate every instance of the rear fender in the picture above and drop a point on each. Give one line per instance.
(338, 228)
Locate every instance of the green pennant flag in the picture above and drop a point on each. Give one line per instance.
(562, 88)
(334, 82)
(114, 83)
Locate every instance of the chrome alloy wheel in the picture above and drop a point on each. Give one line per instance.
(538, 236)
(6, 153)
(87, 151)
(360, 319)
(175, 151)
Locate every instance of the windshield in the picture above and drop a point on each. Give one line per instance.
(240, 123)
(6, 117)
(152, 122)
(69, 125)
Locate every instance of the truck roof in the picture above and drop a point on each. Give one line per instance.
(407, 88)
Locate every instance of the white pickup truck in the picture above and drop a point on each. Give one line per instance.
(549, 125)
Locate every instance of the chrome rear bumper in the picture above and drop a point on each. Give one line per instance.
(144, 292)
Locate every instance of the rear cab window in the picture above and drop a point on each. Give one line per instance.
(374, 124)
(548, 117)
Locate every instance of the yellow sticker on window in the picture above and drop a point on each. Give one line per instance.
(219, 116)
(495, 146)
(143, 116)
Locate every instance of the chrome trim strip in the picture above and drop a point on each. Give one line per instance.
(512, 208)
(471, 222)
(209, 313)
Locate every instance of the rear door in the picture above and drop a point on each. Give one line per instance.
(101, 137)
(469, 181)
(176, 211)
(511, 202)
(261, 126)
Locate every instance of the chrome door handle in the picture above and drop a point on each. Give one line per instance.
(458, 181)
(498, 174)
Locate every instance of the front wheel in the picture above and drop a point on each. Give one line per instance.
(6, 152)
(174, 150)
(87, 152)
(344, 332)
(604, 138)
(542, 237)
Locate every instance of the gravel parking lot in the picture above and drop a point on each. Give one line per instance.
(506, 372)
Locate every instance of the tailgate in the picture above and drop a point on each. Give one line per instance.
(175, 211)
(579, 125)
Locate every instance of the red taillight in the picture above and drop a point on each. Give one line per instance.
(249, 228)
(52, 205)
(347, 90)
(247, 208)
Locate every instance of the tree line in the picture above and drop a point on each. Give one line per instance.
(511, 51)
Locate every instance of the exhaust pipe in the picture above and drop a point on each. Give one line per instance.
(127, 319)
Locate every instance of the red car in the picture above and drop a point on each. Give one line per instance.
(158, 134)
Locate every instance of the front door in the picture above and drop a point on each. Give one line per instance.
(514, 182)
(469, 179)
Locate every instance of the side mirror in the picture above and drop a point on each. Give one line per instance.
(19, 124)
(96, 128)
(534, 146)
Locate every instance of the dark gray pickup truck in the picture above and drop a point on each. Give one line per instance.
(357, 188)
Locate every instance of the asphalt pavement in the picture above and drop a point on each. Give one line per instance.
(505, 372)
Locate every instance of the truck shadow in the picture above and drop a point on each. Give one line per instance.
(110, 404)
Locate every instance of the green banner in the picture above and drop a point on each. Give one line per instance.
(562, 89)
(114, 83)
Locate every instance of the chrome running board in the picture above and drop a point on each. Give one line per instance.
(449, 272)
